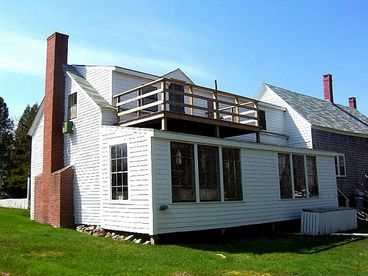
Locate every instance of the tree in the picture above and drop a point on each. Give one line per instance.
(6, 141)
(16, 184)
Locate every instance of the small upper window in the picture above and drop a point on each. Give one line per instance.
(72, 106)
(262, 119)
(340, 165)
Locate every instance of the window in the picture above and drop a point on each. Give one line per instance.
(298, 178)
(262, 119)
(312, 176)
(286, 190)
(119, 172)
(209, 173)
(182, 172)
(232, 175)
(340, 165)
(72, 106)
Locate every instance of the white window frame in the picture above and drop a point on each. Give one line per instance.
(337, 163)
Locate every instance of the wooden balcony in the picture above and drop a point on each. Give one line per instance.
(174, 105)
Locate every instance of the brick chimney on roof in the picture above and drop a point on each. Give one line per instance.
(352, 102)
(327, 88)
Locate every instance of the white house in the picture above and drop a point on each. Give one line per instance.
(135, 152)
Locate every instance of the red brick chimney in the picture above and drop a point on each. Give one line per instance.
(352, 102)
(327, 88)
(53, 187)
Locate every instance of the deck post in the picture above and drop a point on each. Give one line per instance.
(164, 124)
(237, 110)
(190, 99)
(217, 130)
(154, 239)
(216, 105)
(258, 137)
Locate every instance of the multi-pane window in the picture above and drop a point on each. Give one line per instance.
(182, 172)
(209, 173)
(286, 190)
(231, 174)
(340, 165)
(312, 176)
(298, 178)
(119, 172)
(72, 106)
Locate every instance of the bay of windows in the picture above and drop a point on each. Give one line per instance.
(200, 164)
(297, 176)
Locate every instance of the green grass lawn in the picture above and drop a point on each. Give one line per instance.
(29, 248)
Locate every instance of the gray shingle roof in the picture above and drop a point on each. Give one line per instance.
(87, 87)
(324, 114)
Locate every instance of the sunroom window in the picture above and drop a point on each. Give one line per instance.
(297, 176)
(182, 172)
(231, 174)
(209, 173)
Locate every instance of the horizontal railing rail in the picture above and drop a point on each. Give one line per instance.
(168, 95)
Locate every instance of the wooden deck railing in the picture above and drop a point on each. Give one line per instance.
(168, 95)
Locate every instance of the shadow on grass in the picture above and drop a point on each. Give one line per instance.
(257, 240)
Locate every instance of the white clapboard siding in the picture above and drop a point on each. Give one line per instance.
(122, 82)
(265, 138)
(81, 150)
(260, 180)
(36, 158)
(275, 133)
(296, 127)
(100, 77)
(134, 214)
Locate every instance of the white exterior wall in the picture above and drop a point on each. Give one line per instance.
(134, 214)
(100, 78)
(275, 133)
(122, 82)
(296, 127)
(260, 180)
(36, 158)
(81, 149)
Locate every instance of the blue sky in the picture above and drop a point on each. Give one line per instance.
(242, 44)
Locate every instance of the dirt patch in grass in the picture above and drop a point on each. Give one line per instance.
(44, 253)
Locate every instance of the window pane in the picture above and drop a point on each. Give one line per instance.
(231, 174)
(113, 152)
(285, 176)
(336, 166)
(342, 165)
(118, 165)
(312, 176)
(119, 180)
(125, 164)
(209, 175)
(182, 172)
(299, 176)
(113, 165)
